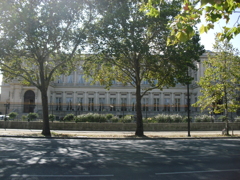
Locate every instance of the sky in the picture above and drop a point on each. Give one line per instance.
(208, 39)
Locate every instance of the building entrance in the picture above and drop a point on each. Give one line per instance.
(29, 101)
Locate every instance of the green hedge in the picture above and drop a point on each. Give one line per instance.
(160, 118)
(91, 117)
(203, 118)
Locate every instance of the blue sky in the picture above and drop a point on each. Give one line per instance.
(207, 39)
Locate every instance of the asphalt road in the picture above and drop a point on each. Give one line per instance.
(38, 158)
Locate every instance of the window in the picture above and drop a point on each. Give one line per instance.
(101, 104)
(70, 79)
(80, 104)
(58, 103)
(156, 104)
(145, 104)
(123, 104)
(112, 104)
(166, 104)
(69, 102)
(145, 82)
(133, 102)
(91, 104)
(81, 79)
(60, 79)
(177, 104)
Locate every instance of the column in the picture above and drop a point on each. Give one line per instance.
(161, 101)
(171, 101)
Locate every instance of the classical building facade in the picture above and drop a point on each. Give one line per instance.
(72, 94)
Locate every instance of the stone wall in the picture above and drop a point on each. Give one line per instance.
(118, 126)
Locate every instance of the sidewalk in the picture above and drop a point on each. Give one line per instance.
(116, 134)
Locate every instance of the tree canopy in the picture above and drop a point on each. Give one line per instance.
(220, 83)
(130, 47)
(192, 10)
(38, 41)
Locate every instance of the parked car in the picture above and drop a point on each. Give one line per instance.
(2, 117)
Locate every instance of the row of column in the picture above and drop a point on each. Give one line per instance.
(130, 96)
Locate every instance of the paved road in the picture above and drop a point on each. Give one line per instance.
(38, 159)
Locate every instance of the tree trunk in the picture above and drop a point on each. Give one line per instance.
(139, 130)
(226, 110)
(46, 126)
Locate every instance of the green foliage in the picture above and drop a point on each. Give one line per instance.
(32, 116)
(183, 23)
(91, 117)
(127, 119)
(109, 116)
(203, 118)
(51, 117)
(220, 83)
(69, 117)
(166, 118)
(24, 118)
(132, 48)
(237, 119)
(114, 119)
(12, 115)
(222, 118)
(38, 41)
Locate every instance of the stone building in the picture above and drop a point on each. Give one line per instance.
(72, 94)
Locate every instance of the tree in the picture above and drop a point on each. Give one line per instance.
(38, 41)
(220, 83)
(183, 23)
(51, 117)
(32, 116)
(130, 48)
(12, 115)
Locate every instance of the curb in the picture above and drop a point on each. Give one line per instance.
(109, 138)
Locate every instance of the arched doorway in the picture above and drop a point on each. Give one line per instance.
(29, 101)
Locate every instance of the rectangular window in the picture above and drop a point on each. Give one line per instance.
(80, 104)
(166, 104)
(60, 79)
(177, 104)
(156, 104)
(69, 102)
(58, 103)
(123, 104)
(70, 79)
(90, 104)
(145, 104)
(101, 104)
(81, 79)
(112, 104)
(133, 102)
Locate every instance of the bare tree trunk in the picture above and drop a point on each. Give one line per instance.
(139, 130)
(46, 126)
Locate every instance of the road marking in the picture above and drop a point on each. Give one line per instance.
(191, 172)
(62, 176)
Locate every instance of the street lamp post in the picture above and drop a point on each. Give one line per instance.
(188, 106)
